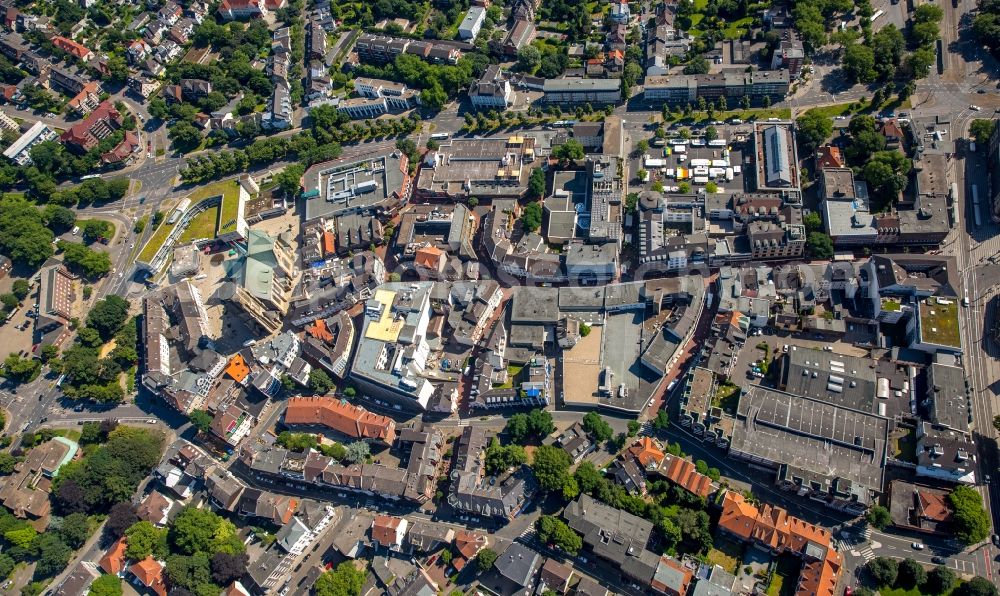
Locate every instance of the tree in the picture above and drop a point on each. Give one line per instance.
(228, 567)
(531, 217)
(711, 187)
(201, 420)
(878, 517)
(184, 136)
(48, 353)
(642, 146)
(996, 422)
(697, 65)
(145, 539)
(108, 315)
(919, 62)
(980, 129)
(570, 151)
(320, 383)
(554, 531)
(597, 427)
(22, 536)
(813, 129)
(197, 530)
(711, 133)
(551, 467)
(925, 34)
(813, 222)
(528, 59)
(819, 245)
(120, 518)
(7, 463)
(859, 63)
(75, 529)
(883, 570)
(502, 458)
(345, 580)
(357, 452)
(911, 574)
(20, 288)
(21, 370)
(977, 586)
(93, 229)
(536, 184)
(662, 420)
(289, 179)
(485, 559)
(53, 554)
(84, 260)
(971, 522)
(106, 585)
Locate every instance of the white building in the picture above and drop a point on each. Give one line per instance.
(8, 124)
(19, 151)
(472, 23)
(492, 90)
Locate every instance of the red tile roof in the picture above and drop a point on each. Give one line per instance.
(113, 561)
(683, 472)
(385, 529)
(829, 156)
(647, 452)
(773, 527)
(149, 571)
(70, 47)
(341, 416)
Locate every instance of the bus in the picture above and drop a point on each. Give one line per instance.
(440, 135)
(89, 176)
(875, 16)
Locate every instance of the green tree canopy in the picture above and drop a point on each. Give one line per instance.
(971, 522)
(878, 516)
(551, 467)
(344, 580)
(531, 216)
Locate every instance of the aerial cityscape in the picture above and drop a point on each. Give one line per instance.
(497, 297)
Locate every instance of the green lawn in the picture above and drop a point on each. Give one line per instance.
(737, 29)
(840, 109)
(745, 115)
(202, 226)
(156, 241)
(726, 554)
(229, 189)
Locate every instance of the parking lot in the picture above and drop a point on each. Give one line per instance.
(776, 341)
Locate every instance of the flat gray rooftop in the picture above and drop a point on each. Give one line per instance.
(813, 435)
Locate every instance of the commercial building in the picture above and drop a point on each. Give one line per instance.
(180, 362)
(570, 90)
(615, 536)
(393, 349)
(486, 168)
(375, 184)
(833, 455)
(19, 151)
(59, 302)
(774, 530)
(679, 89)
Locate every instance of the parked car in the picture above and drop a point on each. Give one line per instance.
(917, 546)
